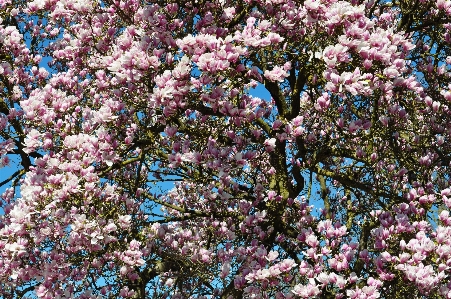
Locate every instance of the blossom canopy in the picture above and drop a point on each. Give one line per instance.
(137, 160)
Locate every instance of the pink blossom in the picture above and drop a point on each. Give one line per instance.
(276, 74)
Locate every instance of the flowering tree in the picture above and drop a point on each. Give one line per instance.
(335, 187)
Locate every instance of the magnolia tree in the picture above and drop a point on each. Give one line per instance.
(143, 167)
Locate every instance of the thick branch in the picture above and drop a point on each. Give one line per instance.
(296, 93)
(325, 196)
(278, 97)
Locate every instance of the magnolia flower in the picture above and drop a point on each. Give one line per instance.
(270, 144)
(276, 74)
